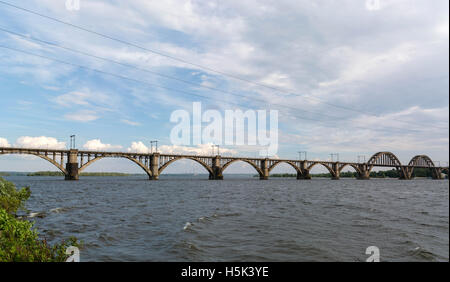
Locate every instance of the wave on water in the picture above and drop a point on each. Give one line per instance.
(423, 254)
(226, 214)
(42, 214)
(37, 214)
(187, 226)
(59, 210)
(202, 219)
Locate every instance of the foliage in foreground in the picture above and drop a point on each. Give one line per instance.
(19, 242)
(12, 199)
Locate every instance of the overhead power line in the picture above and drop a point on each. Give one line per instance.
(334, 118)
(160, 53)
(52, 44)
(177, 90)
(131, 79)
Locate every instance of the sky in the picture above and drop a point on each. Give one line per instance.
(349, 77)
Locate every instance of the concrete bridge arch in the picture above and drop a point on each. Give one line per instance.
(72, 162)
(255, 166)
(202, 163)
(37, 154)
(333, 172)
(134, 160)
(293, 165)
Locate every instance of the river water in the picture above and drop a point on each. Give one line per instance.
(182, 218)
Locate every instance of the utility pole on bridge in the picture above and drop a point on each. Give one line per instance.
(72, 142)
(151, 146)
(361, 157)
(300, 155)
(337, 156)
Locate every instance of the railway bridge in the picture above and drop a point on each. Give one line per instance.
(72, 162)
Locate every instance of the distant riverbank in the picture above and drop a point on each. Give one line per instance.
(418, 172)
(57, 173)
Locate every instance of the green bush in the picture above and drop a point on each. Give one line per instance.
(19, 242)
(12, 199)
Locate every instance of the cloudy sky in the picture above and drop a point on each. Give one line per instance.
(349, 77)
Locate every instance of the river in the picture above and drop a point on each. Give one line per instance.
(186, 218)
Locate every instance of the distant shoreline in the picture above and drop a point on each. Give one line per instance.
(57, 173)
(320, 175)
(380, 175)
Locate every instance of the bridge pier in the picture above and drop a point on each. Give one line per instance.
(154, 166)
(363, 173)
(336, 175)
(216, 169)
(436, 174)
(72, 165)
(265, 170)
(304, 172)
(215, 176)
(404, 174)
(304, 176)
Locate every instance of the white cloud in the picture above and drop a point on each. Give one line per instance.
(373, 5)
(4, 142)
(52, 88)
(42, 142)
(387, 63)
(129, 122)
(86, 105)
(346, 140)
(97, 145)
(360, 66)
(138, 147)
(82, 116)
(85, 97)
(202, 149)
(277, 79)
(443, 29)
(73, 98)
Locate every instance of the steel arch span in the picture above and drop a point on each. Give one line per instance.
(388, 159)
(384, 159)
(423, 161)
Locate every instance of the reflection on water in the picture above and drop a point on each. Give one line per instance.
(243, 219)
